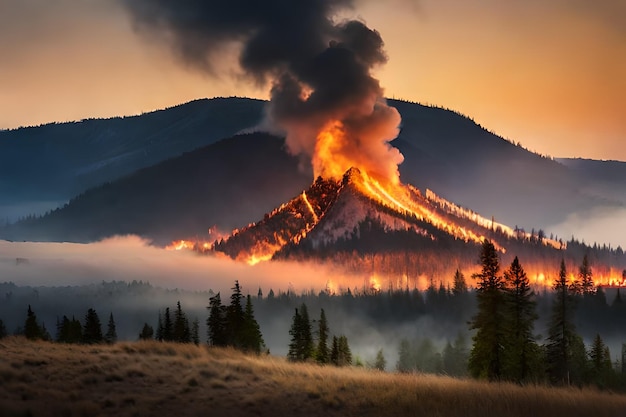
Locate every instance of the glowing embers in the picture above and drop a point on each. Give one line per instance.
(189, 245)
(310, 207)
(408, 201)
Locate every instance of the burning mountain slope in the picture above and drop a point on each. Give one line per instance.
(287, 224)
(331, 211)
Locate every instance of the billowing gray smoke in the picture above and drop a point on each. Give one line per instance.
(319, 68)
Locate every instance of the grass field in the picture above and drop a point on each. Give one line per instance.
(162, 379)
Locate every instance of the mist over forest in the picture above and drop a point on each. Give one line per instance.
(135, 282)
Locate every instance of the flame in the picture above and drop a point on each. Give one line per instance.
(306, 201)
(339, 147)
(180, 245)
(487, 223)
(375, 283)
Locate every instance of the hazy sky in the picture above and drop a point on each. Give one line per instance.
(550, 74)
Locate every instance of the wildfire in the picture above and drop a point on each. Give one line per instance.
(306, 201)
(180, 245)
(375, 283)
(486, 223)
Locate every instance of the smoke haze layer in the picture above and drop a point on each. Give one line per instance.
(319, 68)
(132, 258)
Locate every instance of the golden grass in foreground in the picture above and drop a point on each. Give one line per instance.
(152, 378)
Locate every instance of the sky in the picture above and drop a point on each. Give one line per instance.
(550, 75)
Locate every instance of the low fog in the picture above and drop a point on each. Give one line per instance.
(66, 279)
(59, 279)
(132, 258)
(601, 225)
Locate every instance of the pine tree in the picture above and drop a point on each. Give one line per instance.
(406, 362)
(195, 332)
(32, 330)
(92, 330)
(216, 322)
(455, 355)
(180, 329)
(75, 331)
(322, 355)
(585, 277)
(252, 337)
(520, 347)
(334, 351)
(487, 352)
(380, 363)
(307, 347)
(561, 331)
(459, 286)
(600, 362)
(111, 335)
(167, 333)
(146, 332)
(235, 318)
(63, 328)
(160, 328)
(301, 344)
(342, 355)
(293, 354)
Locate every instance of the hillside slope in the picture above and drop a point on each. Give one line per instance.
(444, 151)
(130, 379)
(222, 185)
(42, 166)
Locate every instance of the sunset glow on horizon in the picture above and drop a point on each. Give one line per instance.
(550, 76)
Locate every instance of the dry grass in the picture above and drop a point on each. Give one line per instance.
(150, 379)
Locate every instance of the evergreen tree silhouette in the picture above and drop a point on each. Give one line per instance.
(111, 335)
(216, 322)
(159, 331)
(146, 332)
(460, 285)
(92, 329)
(301, 344)
(600, 361)
(487, 352)
(32, 330)
(520, 347)
(322, 354)
(561, 332)
(195, 332)
(585, 277)
(180, 331)
(252, 337)
(334, 352)
(235, 318)
(3, 330)
(167, 332)
(380, 363)
(344, 357)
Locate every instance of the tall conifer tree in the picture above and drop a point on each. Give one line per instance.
(487, 352)
(520, 348)
(562, 331)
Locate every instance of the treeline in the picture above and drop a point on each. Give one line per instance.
(305, 347)
(67, 330)
(504, 344)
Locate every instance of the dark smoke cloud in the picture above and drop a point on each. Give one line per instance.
(274, 35)
(319, 66)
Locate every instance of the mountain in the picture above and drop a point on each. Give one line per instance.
(223, 185)
(444, 151)
(356, 219)
(43, 167)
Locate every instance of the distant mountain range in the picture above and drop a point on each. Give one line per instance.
(45, 166)
(129, 175)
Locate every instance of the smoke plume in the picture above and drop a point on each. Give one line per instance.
(319, 68)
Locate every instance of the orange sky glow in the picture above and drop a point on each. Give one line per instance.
(551, 76)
